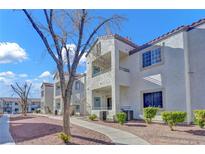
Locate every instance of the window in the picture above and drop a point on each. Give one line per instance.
(153, 99)
(151, 57)
(77, 85)
(97, 103)
(96, 70)
(16, 103)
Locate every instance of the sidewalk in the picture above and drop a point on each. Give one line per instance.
(5, 136)
(116, 135)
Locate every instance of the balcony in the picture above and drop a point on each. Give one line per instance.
(124, 76)
(102, 80)
(101, 72)
(101, 65)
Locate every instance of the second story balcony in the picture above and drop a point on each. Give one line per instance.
(124, 72)
(101, 65)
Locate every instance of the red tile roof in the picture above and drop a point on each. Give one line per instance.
(116, 36)
(164, 36)
(47, 84)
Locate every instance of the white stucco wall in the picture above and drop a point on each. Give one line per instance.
(78, 96)
(103, 80)
(172, 73)
(47, 99)
(196, 48)
(172, 76)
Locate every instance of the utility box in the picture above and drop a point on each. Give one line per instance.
(129, 114)
(103, 115)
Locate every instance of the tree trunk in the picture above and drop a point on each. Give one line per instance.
(66, 116)
(67, 102)
(24, 107)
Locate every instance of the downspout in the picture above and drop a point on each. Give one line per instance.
(187, 78)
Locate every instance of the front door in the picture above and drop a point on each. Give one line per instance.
(109, 103)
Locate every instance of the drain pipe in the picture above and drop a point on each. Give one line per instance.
(187, 78)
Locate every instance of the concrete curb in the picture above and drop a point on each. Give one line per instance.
(5, 135)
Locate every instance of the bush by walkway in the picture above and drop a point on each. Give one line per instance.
(158, 133)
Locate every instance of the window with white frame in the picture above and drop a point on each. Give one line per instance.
(153, 99)
(151, 57)
(97, 103)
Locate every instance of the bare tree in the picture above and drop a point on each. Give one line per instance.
(22, 92)
(63, 27)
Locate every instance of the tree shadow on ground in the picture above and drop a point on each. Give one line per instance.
(28, 131)
(196, 132)
(20, 118)
(135, 125)
(93, 140)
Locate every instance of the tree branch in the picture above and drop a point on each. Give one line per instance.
(54, 36)
(94, 32)
(41, 36)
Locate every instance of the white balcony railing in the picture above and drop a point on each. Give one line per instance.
(124, 69)
(101, 72)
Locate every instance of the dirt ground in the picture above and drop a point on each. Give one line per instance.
(158, 133)
(44, 131)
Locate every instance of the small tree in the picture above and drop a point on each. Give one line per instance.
(121, 117)
(22, 92)
(93, 117)
(172, 118)
(199, 118)
(150, 113)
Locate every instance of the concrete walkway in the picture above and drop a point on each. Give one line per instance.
(5, 136)
(116, 135)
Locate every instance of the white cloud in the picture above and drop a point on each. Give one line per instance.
(11, 52)
(72, 48)
(7, 74)
(23, 75)
(45, 74)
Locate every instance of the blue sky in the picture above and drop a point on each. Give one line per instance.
(141, 26)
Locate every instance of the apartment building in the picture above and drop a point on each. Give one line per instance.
(47, 94)
(167, 72)
(78, 98)
(12, 105)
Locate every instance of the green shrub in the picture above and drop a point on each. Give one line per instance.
(64, 137)
(149, 113)
(93, 117)
(172, 118)
(38, 111)
(199, 118)
(121, 117)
